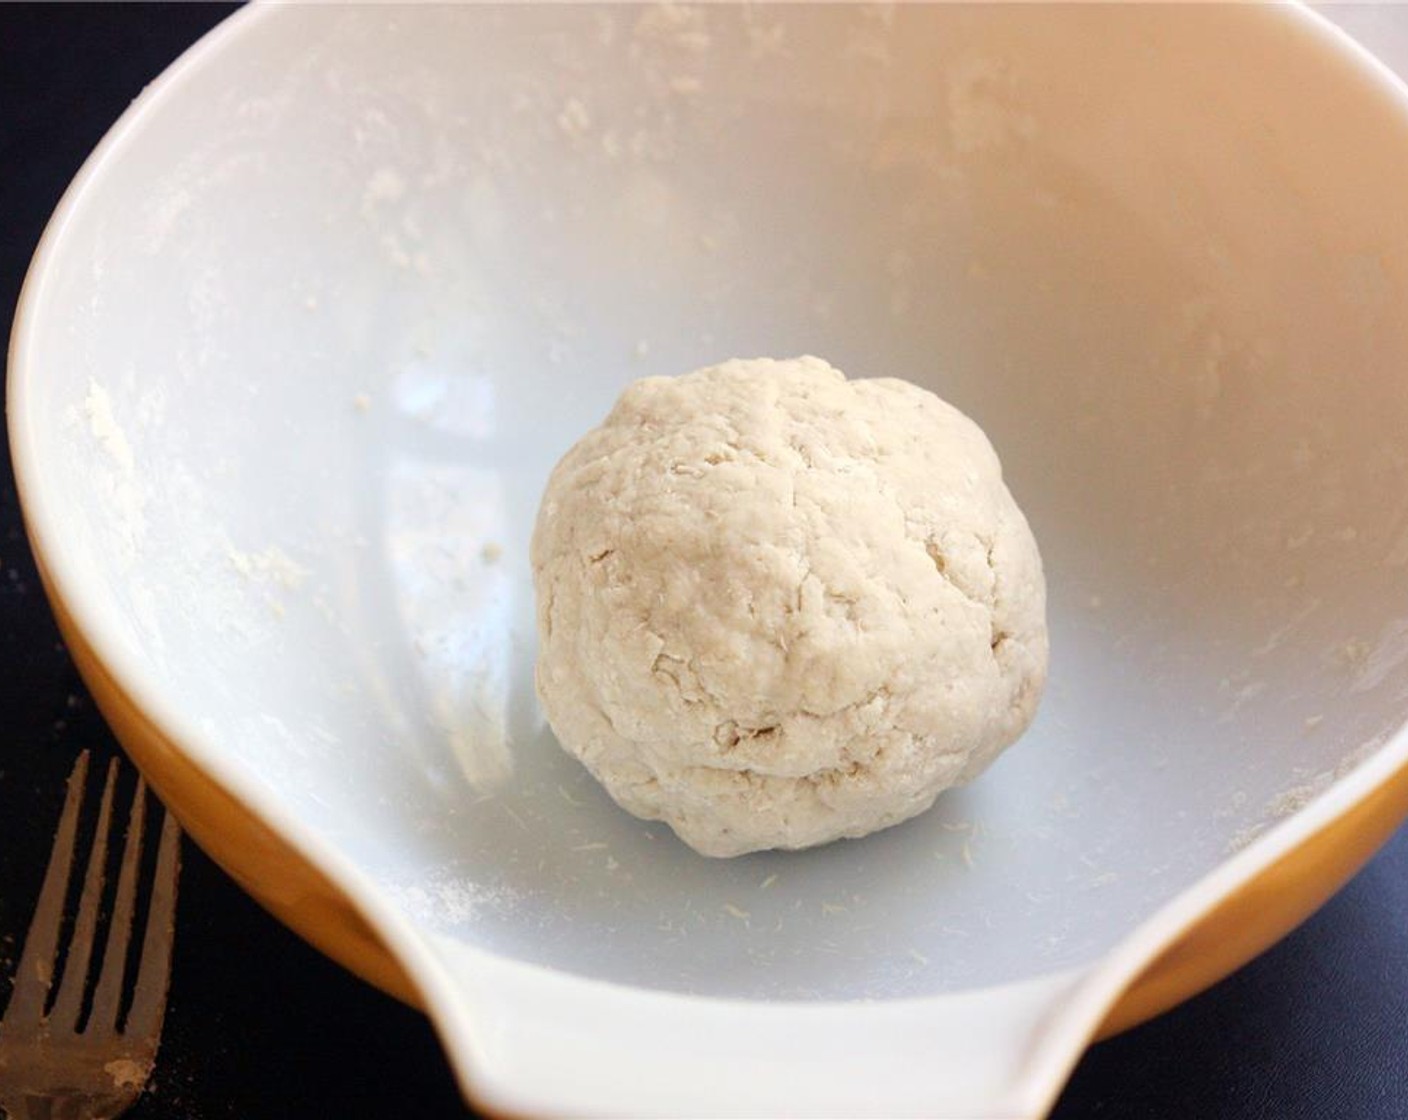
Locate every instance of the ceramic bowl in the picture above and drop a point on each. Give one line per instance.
(308, 332)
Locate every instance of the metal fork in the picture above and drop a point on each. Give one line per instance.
(55, 1064)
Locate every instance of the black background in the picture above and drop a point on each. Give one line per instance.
(259, 1025)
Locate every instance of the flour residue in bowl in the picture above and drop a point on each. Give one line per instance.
(1305, 789)
(271, 563)
(118, 484)
(445, 900)
(97, 405)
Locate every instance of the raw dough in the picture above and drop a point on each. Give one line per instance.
(777, 607)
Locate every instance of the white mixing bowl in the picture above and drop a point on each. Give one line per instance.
(306, 335)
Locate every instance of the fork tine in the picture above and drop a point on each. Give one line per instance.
(154, 973)
(36, 968)
(69, 1002)
(108, 994)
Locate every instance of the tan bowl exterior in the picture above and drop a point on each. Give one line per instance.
(283, 882)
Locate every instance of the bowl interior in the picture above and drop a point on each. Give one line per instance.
(325, 314)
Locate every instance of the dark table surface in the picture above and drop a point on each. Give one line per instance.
(260, 1025)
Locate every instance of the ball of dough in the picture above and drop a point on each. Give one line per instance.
(777, 607)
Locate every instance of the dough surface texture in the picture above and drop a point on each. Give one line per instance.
(777, 607)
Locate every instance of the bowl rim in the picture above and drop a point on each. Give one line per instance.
(1109, 975)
